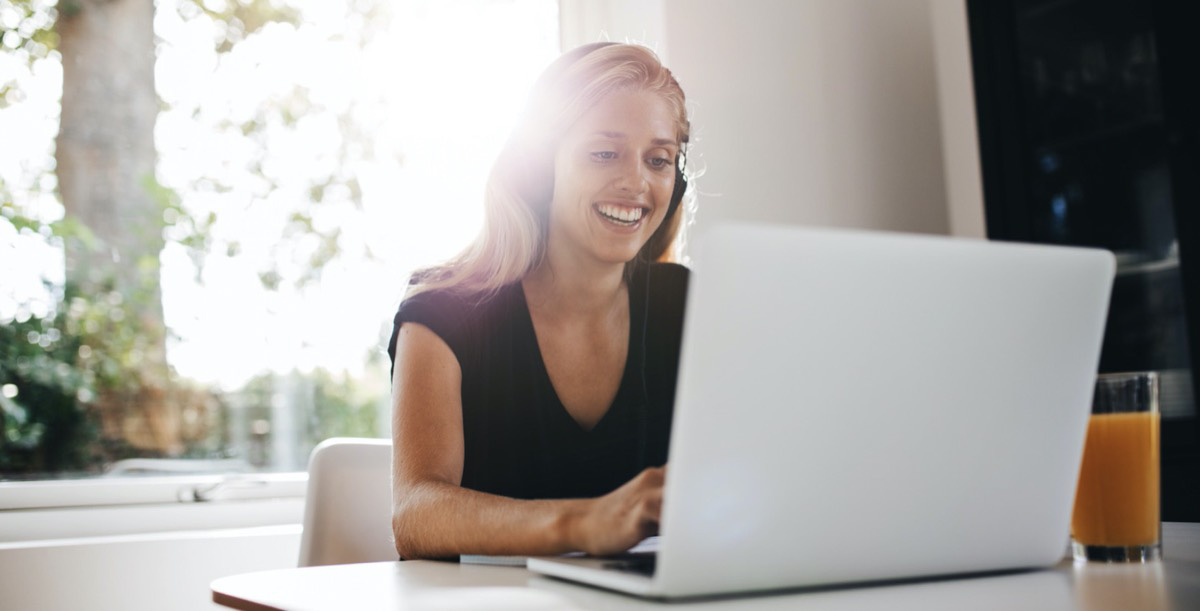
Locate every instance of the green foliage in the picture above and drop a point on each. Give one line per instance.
(82, 366)
(26, 32)
(326, 247)
(89, 346)
(45, 425)
(328, 405)
(192, 231)
(89, 355)
(29, 25)
(342, 407)
(239, 19)
(305, 247)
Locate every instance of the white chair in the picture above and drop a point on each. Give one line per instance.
(348, 507)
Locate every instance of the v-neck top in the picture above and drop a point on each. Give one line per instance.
(519, 440)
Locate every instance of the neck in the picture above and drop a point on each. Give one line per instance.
(572, 288)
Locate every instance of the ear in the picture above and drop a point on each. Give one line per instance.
(680, 188)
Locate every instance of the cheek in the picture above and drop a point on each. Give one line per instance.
(663, 191)
(575, 187)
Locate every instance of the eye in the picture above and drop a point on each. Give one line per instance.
(660, 162)
(604, 155)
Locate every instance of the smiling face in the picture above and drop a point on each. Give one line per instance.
(614, 172)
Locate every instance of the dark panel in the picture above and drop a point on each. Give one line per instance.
(1088, 114)
(1179, 59)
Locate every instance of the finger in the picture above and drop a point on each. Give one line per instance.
(654, 475)
(652, 504)
(649, 530)
(648, 527)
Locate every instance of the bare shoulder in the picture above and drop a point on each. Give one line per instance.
(426, 370)
(418, 345)
(426, 409)
(438, 318)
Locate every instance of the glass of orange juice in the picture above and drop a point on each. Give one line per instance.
(1116, 516)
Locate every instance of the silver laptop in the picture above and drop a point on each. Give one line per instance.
(859, 406)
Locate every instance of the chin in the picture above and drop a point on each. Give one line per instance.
(622, 251)
(617, 257)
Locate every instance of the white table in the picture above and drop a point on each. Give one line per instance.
(1173, 584)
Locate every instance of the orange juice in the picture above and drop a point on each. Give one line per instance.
(1116, 503)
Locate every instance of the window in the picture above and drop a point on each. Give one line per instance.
(203, 244)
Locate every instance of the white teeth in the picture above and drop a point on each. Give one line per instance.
(621, 213)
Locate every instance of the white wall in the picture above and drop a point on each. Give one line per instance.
(583, 21)
(960, 136)
(821, 112)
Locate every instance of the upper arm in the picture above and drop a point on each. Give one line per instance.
(427, 427)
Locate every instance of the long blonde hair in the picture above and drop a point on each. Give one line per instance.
(519, 188)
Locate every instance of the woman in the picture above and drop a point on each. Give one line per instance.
(533, 375)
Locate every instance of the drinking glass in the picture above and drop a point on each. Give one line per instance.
(1116, 516)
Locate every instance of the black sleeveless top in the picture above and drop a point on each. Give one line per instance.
(519, 440)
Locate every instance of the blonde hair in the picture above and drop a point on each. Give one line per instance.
(519, 188)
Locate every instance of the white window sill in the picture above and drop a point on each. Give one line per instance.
(107, 491)
(67, 509)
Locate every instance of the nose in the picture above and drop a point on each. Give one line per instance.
(632, 178)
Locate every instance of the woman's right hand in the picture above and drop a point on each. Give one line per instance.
(620, 519)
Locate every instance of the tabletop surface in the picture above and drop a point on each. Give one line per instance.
(1173, 584)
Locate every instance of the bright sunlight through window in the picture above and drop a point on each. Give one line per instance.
(309, 156)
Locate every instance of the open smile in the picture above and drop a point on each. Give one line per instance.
(623, 216)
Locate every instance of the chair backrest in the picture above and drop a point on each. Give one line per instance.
(348, 507)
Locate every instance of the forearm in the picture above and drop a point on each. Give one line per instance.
(439, 520)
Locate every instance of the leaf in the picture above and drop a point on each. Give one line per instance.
(13, 410)
(71, 228)
(270, 279)
(241, 18)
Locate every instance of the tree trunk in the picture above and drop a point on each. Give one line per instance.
(106, 159)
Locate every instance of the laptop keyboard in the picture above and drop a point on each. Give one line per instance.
(642, 564)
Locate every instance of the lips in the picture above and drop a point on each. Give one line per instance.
(624, 216)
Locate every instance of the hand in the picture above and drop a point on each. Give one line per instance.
(620, 519)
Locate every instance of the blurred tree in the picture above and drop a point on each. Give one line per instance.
(105, 155)
(109, 392)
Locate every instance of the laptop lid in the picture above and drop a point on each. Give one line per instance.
(860, 406)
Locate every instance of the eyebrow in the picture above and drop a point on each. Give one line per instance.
(623, 136)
